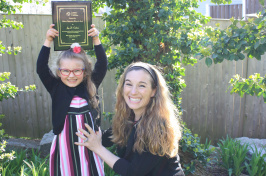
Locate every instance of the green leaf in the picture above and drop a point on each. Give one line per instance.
(261, 2)
(231, 57)
(208, 61)
(257, 44)
(241, 56)
(214, 55)
(262, 41)
(242, 23)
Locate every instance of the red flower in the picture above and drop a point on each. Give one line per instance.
(77, 49)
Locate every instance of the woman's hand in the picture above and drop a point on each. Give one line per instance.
(94, 33)
(91, 140)
(50, 35)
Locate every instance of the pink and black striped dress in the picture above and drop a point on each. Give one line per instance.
(68, 159)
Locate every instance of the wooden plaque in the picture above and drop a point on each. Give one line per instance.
(72, 19)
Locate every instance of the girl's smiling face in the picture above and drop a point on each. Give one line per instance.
(71, 64)
(138, 91)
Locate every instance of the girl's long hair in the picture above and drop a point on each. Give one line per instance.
(159, 130)
(69, 54)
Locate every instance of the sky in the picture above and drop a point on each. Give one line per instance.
(33, 8)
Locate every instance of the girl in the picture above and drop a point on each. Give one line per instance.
(73, 88)
(145, 126)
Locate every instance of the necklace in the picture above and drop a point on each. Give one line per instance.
(137, 121)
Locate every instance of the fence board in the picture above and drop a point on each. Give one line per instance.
(232, 10)
(2, 33)
(227, 74)
(263, 109)
(256, 6)
(241, 69)
(248, 7)
(189, 111)
(215, 12)
(25, 81)
(38, 110)
(47, 122)
(218, 105)
(211, 100)
(16, 62)
(203, 102)
(240, 11)
(257, 108)
(186, 102)
(32, 100)
(28, 80)
(10, 68)
(219, 11)
(252, 7)
(226, 12)
(196, 108)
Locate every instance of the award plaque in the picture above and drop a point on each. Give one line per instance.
(72, 19)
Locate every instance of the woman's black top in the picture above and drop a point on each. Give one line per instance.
(145, 164)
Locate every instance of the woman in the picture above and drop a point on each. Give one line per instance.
(145, 126)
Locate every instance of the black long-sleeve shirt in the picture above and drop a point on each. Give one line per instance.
(132, 163)
(60, 93)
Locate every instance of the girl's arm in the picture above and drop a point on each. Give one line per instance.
(50, 35)
(42, 63)
(94, 33)
(100, 67)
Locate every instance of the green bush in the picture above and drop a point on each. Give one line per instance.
(254, 85)
(199, 152)
(7, 90)
(233, 157)
(27, 164)
(257, 164)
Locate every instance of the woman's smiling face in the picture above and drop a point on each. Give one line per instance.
(138, 90)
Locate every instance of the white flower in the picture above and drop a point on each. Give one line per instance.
(74, 45)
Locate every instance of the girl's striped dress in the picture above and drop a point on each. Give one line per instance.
(68, 159)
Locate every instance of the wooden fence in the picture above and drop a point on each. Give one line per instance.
(212, 112)
(253, 6)
(235, 10)
(209, 110)
(226, 11)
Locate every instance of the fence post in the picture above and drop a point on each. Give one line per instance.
(244, 9)
(207, 10)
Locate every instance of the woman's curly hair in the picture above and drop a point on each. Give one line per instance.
(159, 130)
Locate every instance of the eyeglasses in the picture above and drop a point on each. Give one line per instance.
(66, 72)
